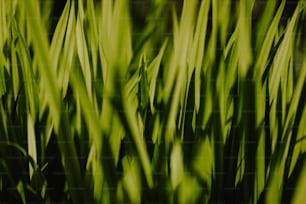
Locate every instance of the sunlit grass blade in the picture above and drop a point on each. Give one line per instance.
(274, 185)
(202, 163)
(299, 194)
(2, 78)
(296, 109)
(28, 76)
(48, 74)
(198, 48)
(129, 122)
(131, 180)
(244, 35)
(61, 125)
(3, 39)
(58, 36)
(267, 21)
(282, 57)
(82, 49)
(68, 53)
(176, 87)
(32, 149)
(154, 69)
(3, 24)
(92, 122)
(264, 52)
(176, 165)
(92, 33)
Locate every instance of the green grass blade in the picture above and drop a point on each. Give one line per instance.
(61, 124)
(265, 49)
(281, 62)
(82, 49)
(130, 123)
(67, 59)
(282, 57)
(244, 35)
(58, 36)
(299, 194)
(92, 122)
(154, 68)
(32, 149)
(266, 21)
(198, 48)
(176, 165)
(28, 76)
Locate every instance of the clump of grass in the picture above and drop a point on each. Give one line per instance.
(94, 113)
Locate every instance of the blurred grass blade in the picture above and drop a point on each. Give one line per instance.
(61, 125)
(274, 184)
(154, 68)
(82, 49)
(176, 165)
(68, 52)
(267, 21)
(2, 78)
(28, 76)
(92, 121)
(131, 180)
(283, 56)
(32, 149)
(244, 36)
(265, 49)
(3, 39)
(129, 122)
(198, 48)
(48, 75)
(299, 193)
(59, 36)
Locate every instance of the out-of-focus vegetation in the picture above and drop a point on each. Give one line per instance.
(119, 101)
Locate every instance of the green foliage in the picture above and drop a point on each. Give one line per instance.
(99, 113)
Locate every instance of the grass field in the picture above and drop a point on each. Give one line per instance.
(202, 102)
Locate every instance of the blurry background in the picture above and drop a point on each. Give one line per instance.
(141, 15)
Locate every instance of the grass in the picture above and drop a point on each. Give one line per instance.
(105, 110)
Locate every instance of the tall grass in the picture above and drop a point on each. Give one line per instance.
(97, 113)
